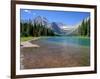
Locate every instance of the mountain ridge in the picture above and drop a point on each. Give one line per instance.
(57, 27)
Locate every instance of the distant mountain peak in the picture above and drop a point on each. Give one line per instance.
(41, 20)
(56, 28)
(41, 17)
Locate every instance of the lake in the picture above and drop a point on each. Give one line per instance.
(56, 52)
(67, 40)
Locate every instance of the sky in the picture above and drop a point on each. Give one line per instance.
(69, 18)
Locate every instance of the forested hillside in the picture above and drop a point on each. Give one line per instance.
(40, 26)
(84, 28)
(29, 29)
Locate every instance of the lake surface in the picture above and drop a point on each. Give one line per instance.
(77, 41)
(56, 52)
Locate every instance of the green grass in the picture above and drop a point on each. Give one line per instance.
(26, 38)
(23, 39)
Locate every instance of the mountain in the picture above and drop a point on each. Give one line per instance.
(41, 21)
(60, 25)
(82, 28)
(56, 28)
(44, 21)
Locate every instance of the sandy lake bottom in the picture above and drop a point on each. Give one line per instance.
(53, 55)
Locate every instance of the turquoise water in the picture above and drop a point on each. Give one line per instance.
(77, 41)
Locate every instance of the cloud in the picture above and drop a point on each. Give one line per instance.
(27, 11)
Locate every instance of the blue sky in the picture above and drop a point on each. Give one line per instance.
(66, 17)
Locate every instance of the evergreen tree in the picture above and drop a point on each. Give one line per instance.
(84, 28)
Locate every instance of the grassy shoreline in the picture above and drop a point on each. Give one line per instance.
(24, 39)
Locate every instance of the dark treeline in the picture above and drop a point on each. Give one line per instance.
(35, 29)
(29, 29)
(84, 28)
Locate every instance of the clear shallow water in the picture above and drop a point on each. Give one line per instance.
(56, 52)
(77, 41)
